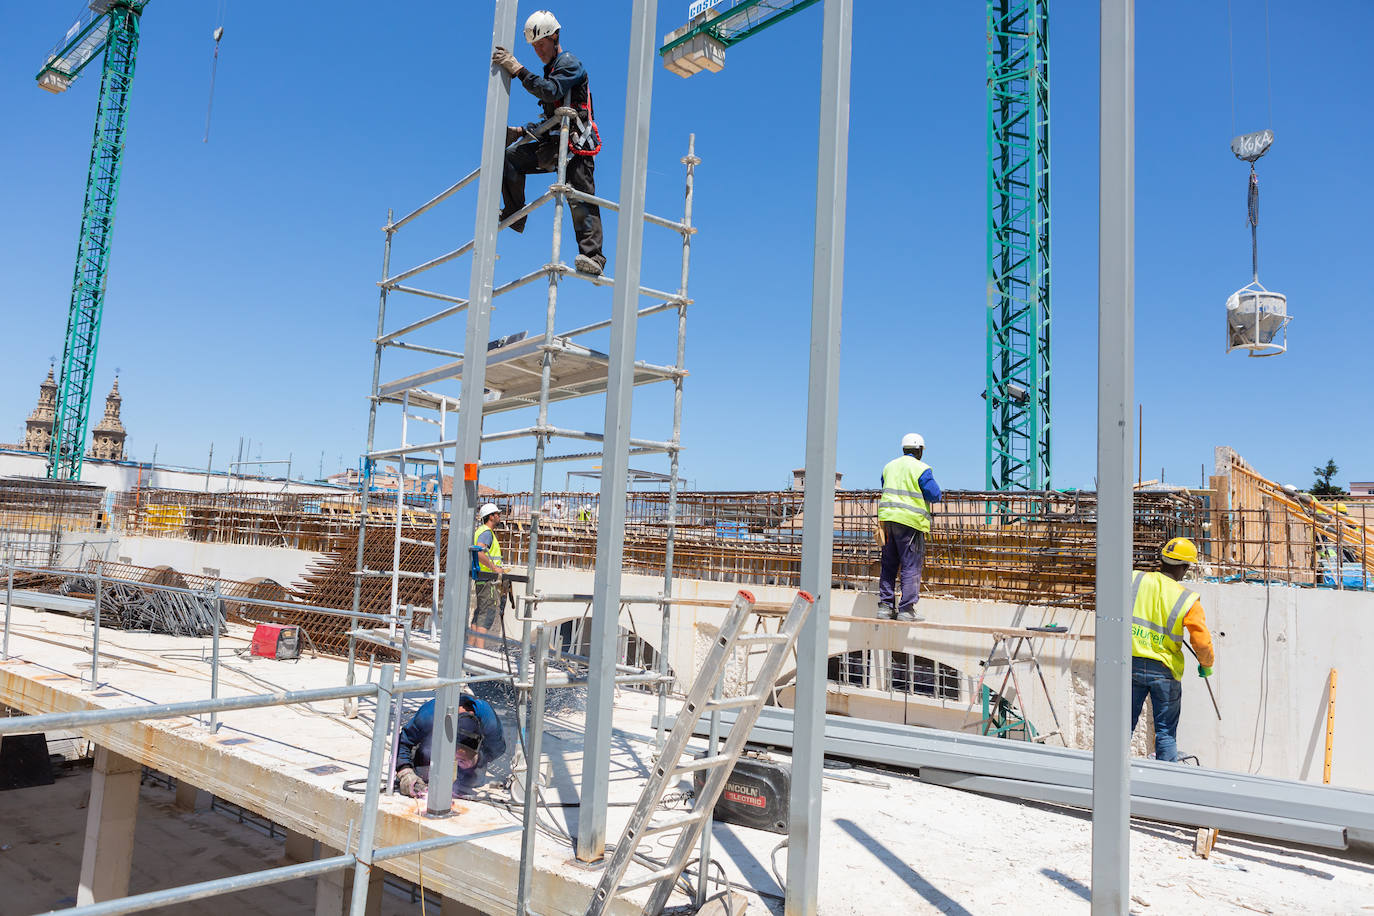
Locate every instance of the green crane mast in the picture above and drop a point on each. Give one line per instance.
(110, 26)
(1018, 242)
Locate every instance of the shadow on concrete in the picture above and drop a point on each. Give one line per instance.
(1064, 881)
(932, 894)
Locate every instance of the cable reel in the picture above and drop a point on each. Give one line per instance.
(1256, 318)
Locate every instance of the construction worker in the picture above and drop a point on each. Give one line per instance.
(1164, 608)
(480, 741)
(563, 82)
(487, 587)
(909, 490)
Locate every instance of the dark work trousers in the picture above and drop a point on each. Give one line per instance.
(1150, 677)
(537, 158)
(904, 547)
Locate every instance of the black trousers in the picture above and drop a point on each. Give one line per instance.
(537, 158)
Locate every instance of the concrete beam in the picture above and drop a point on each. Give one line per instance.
(110, 818)
(299, 848)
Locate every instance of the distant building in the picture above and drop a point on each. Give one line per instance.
(107, 439)
(799, 479)
(38, 428)
(1362, 488)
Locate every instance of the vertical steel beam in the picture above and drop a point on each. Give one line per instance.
(457, 584)
(1115, 365)
(534, 737)
(822, 421)
(610, 533)
(376, 772)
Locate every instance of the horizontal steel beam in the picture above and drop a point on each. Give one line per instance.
(1259, 798)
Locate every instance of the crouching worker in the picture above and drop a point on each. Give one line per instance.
(480, 741)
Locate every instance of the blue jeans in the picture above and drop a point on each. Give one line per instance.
(904, 547)
(1151, 677)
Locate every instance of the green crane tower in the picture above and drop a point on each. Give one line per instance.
(1018, 241)
(110, 26)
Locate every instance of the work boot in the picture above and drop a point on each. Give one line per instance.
(907, 615)
(518, 225)
(886, 611)
(586, 264)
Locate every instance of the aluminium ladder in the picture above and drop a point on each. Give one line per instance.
(719, 762)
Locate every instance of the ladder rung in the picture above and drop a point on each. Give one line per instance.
(703, 763)
(422, 543)
(400, 574)
(762, 639)
(672, 823)
(652, 877)
(734, 702)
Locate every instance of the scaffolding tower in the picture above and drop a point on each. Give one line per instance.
(1018, 243)
(401, 533)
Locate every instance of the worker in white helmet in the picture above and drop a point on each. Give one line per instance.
(487, 586)
(563, 81)
(909, 490)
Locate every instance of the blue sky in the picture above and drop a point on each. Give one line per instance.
(242, 293)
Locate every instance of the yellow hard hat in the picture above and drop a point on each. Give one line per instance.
(1341, 508)
(1179, 550)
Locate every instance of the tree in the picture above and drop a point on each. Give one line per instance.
(1323, 486)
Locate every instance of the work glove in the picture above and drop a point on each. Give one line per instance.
(506, 61)
(513, 134)
(1203, 671)
(410, 783)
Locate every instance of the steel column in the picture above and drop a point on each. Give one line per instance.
(376, 772)
(467, 455)
(822, 421)
(534, 736)
(610, 534)
(1111, 852)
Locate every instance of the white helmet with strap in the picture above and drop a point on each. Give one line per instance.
(486, 510)
(541, 24)
(913, 440)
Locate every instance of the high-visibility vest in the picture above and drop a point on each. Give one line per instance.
(1157, 618)
(494, 551)
(902, 501)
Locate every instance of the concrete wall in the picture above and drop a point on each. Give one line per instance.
(233, 561)
(122, 476)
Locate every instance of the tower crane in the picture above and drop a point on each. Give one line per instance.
(1018, 233)
(111, 26)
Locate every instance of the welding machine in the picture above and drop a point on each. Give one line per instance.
(275, 640)
(757, 794)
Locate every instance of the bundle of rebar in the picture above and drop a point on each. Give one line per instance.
(131, 606)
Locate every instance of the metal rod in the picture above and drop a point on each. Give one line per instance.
(214, 652)
(9, 607)
(467, 453)
(96, 718)
(1115, 365)
(95, 632)
(822, 420)
(665, 621)
(615, 208)
(533, 764)
(376, 768)
(433, 202)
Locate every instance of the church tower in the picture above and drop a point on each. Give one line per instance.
(38, 428)
(107, 439)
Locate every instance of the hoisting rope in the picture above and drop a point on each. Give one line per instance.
(214, 68)
(1252, 213)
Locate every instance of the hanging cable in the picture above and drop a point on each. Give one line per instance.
(1252, 216)
(214, 68)
(1231, 58)
(1268, 65)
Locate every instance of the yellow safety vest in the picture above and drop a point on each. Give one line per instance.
(902, 501)
(494, 551)
(1157, 618)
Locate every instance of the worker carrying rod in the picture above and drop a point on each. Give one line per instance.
(1164, 608)
(563, 82)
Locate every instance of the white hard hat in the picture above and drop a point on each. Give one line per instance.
(912, 440)
(488, 509)
(541, 24)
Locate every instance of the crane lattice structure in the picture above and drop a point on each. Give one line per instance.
(1018, 362)
(111, 26)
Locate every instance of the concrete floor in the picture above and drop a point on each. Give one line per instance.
(41, 830)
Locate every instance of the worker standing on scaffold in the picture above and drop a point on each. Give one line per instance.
(564, 82)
